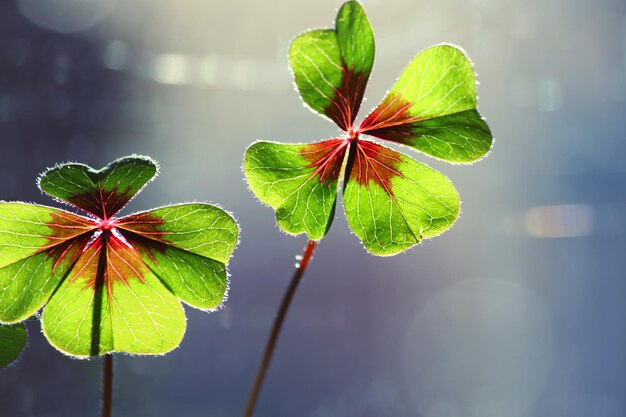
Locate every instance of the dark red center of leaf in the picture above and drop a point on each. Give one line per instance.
(372, 163)
(326, 157)
(68, 236)
(100, 252)
(347, 99)
(107, 224)
(102, 204)
(391, 120)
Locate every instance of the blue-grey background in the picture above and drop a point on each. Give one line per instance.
(517, 312)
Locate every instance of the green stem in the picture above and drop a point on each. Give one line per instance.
(107, 385)
(278, 324)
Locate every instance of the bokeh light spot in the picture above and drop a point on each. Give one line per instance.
(66, 16)
(479, 348)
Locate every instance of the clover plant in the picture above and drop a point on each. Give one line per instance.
(391, 201)
(108, 283)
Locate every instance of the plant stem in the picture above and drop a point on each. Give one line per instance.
(278, 324)
(107, 385)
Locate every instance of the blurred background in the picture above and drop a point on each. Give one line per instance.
(517, 312)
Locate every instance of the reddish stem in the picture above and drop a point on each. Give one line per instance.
(278, 324)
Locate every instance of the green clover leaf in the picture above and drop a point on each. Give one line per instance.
(12, 342)
(391, 201)
(108, 283)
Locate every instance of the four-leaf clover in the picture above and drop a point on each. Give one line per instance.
(108, 283)
(391, 201)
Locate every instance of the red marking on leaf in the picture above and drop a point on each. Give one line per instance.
(391, 120)
(107, 224)
(120, 262)
(101, 204)
(68, 236)
(64, 225)
(374, 163)
(123, 263)
(87, 264)
(142, 231)
(348, 97)
(144, 224)
(68, 250)
(103, 251)
(125, 239)
(326, 157)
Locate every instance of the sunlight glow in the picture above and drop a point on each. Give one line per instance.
(568, 220)
(171, 69)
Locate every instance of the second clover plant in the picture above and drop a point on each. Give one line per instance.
(391, 201)
(109, 283)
